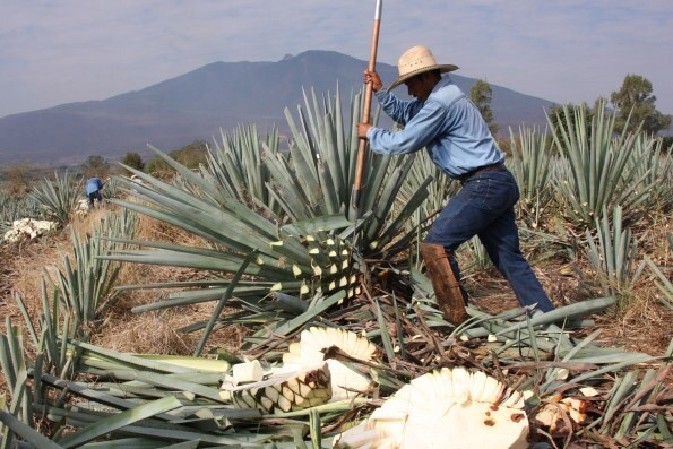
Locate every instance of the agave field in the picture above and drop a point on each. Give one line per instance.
(344, 345)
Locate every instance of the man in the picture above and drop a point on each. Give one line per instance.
(444, 121)
(93, 191)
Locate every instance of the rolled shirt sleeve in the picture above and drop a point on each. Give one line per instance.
(418, 132)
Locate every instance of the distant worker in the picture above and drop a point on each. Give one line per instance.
(94, 187)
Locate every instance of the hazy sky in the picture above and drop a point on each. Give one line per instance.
(61, 51)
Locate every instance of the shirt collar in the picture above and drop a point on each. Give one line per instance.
(445, 81)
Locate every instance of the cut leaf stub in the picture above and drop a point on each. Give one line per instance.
(445, 409)
(328, 268)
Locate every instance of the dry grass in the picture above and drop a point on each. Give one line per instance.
(159, 332)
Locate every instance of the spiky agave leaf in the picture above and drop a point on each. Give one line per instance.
(235, 164)
(87, 280)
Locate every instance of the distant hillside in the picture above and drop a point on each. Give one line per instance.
(198, 104)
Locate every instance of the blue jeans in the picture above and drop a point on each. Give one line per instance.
(485, 207)
(95, 196)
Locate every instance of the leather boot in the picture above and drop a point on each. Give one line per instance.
(444, 283)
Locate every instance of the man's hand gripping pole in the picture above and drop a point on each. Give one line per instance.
(356, 197)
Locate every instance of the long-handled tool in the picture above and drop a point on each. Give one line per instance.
(366, 113)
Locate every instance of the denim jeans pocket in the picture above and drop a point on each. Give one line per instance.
(492, 191)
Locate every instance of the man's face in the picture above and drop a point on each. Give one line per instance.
(420, 86)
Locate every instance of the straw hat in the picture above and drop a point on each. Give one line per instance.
(415, 61)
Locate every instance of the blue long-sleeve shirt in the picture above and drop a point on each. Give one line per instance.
(93, 185)
(448, 124)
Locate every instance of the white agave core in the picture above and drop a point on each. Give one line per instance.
(345, 382)
(445, 409)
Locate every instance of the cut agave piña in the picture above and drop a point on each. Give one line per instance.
(346, 382)
(451, 408)
(286, 392)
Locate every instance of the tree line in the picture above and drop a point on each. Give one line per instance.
(634, 105)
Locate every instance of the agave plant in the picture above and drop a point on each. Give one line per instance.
(58, 197)
(532, 166)
(111, 189)
(654, 170)
(602, 170)
(663, 284)
(235, 164)
(13, 207)
(15, 370)
(317, 177)
(298, 259)
(662, 279)
(88, 280)
(613, 255)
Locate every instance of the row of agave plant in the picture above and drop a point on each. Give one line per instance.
(286, 250)
(578, 186)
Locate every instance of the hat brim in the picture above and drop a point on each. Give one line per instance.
(443, 68)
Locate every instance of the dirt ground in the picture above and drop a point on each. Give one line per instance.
(642, 325)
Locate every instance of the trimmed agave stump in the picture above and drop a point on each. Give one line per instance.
(286, 392)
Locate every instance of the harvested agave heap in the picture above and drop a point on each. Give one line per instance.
(451, 408)
(471, 408)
